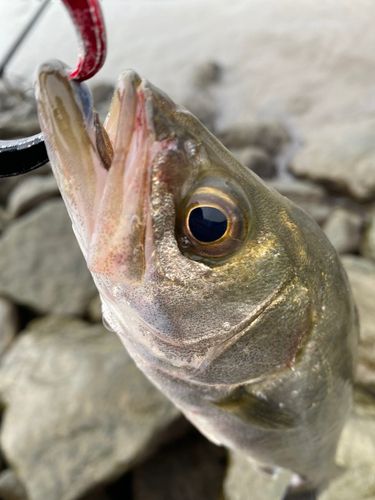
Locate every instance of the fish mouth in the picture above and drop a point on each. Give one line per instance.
(104, 172)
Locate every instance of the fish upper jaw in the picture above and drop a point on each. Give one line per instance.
(104, 175)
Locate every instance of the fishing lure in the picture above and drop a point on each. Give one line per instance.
(23, 155)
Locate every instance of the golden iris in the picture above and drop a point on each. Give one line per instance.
(213, 222)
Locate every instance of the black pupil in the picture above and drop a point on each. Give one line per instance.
(207, 224)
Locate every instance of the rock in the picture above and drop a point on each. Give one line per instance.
(361, 274)
(269, 135)
(368, 246)
(8, 324)
(94, 311)
(41, 265)
(243, 482)
(310, 197)
(18, 116)
(206, 74)
(356, 454)
(78, 412)
(7, 184)
(343, 229)
(342, 156)
(189, 469)
(30, 193)
(5, 218)
(257, 160)
(22, 127)
(11, 487)
(102, 94)
(202, 104)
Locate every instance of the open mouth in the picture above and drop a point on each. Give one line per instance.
(103, 172)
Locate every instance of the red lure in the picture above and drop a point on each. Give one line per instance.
(88, 19)
(19, 156)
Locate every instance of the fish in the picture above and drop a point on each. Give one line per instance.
(228, 297)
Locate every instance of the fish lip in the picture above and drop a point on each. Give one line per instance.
(81, 92)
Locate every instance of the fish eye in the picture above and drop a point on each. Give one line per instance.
(207, 224)
(213, 222)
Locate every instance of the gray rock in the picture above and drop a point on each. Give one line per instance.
(8, 324)
(257, 160)
(7, 184)
(30, 193)
(94, 311)
(189, 469)
(342, 157)
(102, 94)
(18, 117)
(310, 197)
(361, 274)
(368, 246)
(78, 412)
(356, 455)
(243, 482)
(11, 487)
(202, 104)
(41, 265)
(21, 127)
(5, 218)
(206, 74)
(343, 229)
(269, 135)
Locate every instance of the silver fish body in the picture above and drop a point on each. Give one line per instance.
(253, 335)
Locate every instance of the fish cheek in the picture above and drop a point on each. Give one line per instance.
(269, 345)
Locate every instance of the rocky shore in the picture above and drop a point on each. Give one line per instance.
(79, 420)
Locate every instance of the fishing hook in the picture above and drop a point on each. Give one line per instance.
(19, 156)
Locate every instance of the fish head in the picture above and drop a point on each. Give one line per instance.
(203, 270)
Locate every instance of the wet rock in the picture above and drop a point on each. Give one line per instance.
(5, 218)
(18, 117)
(11, 487)
(102, 94)
(206, 74)
(30, 193)
(41, 265)
(78, 412)
(8, 324)
(189, 469)
(7, 184)
(361, 274)
(257, 160)
(368, 247)
(310, 197)
(342, 157)
(343, 229)
(203, 105)
(243, 482)
(94, 311)
(269, 135)
(356, 455)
